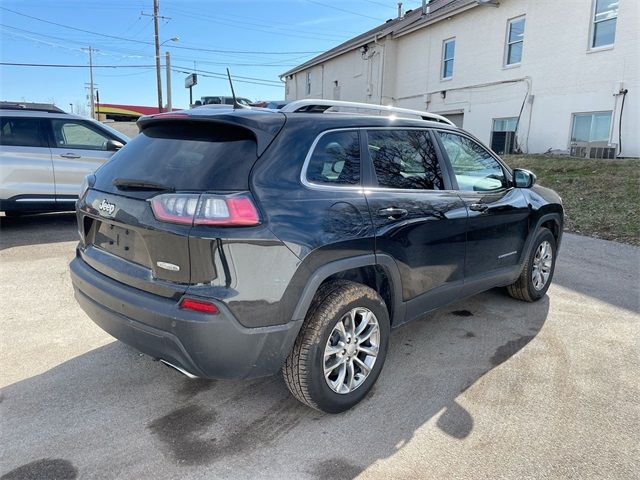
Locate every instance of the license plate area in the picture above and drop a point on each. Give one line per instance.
(117, 240)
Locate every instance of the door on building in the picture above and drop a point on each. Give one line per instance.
(503, 135)
(457, 118)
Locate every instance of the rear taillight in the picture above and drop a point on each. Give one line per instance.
(206, 209)
(198, 306)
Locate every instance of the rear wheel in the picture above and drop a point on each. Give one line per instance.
(536, 276)
(341, 348)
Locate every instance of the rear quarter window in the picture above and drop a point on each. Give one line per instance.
(335, 160)
(186, 156)
(21, 132)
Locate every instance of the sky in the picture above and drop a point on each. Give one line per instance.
(256, 39)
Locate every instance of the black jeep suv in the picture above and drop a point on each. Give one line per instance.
(238, 243)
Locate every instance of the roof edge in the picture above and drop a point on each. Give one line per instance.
(399, 26)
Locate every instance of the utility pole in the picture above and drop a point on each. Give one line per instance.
(156, 16)
(157, 42)
(168, 64)
(90, 50)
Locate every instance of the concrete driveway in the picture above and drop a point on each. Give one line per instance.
(487, 388)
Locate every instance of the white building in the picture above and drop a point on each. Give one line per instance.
(556, 72)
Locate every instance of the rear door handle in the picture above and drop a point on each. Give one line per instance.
(70, 155)
(479, 207)
(392, 213)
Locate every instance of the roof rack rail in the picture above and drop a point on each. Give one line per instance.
(321, 106)
(29, 106)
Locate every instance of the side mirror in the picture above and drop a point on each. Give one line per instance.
(114, 145)
(523, 178)
(198, 103)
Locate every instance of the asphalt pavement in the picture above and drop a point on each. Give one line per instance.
(489, 387)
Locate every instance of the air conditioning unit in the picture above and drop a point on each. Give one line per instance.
(599, 150)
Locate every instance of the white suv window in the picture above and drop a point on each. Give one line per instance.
(21, 132)
(75, 134)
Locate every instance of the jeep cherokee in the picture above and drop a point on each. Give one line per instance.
(240, 243)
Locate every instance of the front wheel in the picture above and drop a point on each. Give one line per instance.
(341, 347)
(537, 273)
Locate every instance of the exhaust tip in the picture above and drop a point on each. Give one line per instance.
(179, 369)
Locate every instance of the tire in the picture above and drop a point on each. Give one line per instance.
(525, 288)
(304, 369)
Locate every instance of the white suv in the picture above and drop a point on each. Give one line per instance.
(45, 155)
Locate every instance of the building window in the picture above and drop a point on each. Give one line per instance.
(515, 41)
(308, 84)
(448, 53)
(591, 127)
(603, 29)
(503, 135)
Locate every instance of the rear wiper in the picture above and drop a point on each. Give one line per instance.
(128, 184)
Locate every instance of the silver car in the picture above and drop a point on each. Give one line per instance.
(45, 155)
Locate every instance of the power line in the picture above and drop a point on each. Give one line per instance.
(259, 27)
(151, 43)
(222, 76)
(345, 11)
(128, 54)
(67, 65)
(181, 69)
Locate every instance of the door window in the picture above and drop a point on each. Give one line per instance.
(405, 159)
(73, 134)
(475, 169)
(21, 132)
(336, 159)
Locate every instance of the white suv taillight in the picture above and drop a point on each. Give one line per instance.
(206, 209)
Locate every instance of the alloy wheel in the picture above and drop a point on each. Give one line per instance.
(351, 350)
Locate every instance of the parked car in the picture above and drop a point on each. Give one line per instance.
(45, 155)
(236, 244)
(221, 100)
(273, 104)
(277, 105)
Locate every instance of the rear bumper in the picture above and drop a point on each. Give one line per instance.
(207, 346)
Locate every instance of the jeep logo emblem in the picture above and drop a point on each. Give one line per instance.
(107, 207)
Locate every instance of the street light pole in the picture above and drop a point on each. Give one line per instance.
(168, 64)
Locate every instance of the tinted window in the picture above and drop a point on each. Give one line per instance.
(185, 156)
(336, 159)
(21, 132)
(73, 134)
(405, 159)
(475, 169)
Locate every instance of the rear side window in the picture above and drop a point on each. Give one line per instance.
(405, 159)
(21, 132)
(474, 167)
(186, 156)
(336, 159)
(74, 134)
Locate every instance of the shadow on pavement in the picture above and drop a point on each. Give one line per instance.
(37, 229)
(602, 269)
(114, 413)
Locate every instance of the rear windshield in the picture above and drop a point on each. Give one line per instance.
(185, 156)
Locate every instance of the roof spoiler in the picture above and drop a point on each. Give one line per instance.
(263, 127)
